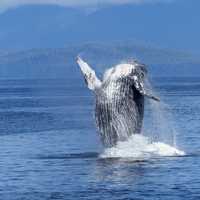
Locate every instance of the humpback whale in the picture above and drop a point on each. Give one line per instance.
(119, 100)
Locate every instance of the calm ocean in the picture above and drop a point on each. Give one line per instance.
(49, 148)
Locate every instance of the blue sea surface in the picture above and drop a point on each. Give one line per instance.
(49, 148)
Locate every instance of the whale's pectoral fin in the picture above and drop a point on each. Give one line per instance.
(89, 75)
(152, 97)
(139, 85)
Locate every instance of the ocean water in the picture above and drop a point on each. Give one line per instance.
(49, 148)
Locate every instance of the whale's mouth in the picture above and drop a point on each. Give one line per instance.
(139, 147)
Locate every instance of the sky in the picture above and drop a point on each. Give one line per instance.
(170, 24)
(6, 4)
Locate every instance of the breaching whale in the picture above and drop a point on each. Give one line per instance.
(119, 106)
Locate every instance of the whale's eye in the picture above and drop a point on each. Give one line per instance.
(144, 69)
(142, 74)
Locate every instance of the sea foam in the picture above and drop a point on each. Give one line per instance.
(140, 147)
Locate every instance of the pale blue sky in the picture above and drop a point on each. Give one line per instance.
(165, 23)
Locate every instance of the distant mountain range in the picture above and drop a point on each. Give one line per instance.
(172, 25)
(43, 41)
(60, 62)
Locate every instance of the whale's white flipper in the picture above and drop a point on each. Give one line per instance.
(91, 79)
(139, 85)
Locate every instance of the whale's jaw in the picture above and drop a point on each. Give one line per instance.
(119, 112)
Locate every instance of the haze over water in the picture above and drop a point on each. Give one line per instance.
(49, 147)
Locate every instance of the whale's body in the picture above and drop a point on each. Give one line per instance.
(119, 107)
(119, 110)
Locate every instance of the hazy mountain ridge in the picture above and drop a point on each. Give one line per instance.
(61, 62)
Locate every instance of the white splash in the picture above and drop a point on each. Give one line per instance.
(139, 147)
(158, 140)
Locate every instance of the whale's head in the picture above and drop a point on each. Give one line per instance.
(126, 70)
(134, 71)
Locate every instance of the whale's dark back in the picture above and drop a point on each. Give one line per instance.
(119, 110)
